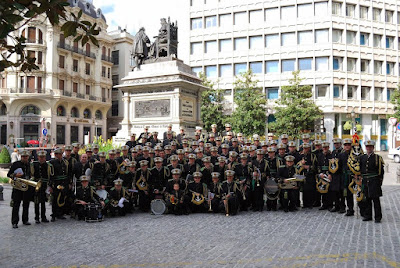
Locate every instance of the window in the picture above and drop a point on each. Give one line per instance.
(378, 94)
(60, 111)
(211, 71)
(365, 66)
(389, 42)
(115, 57)
(61, 61)
(225, 20)
(272, 15)
(114, 108)
(225, 45)
(389, 93)
(337, 63)
(363, 12)
(288, 65)
(196, 48)
(75, 65)
(336, 8)
(196, 3)
(31, 84)
(256, 67)
(272, 93)
(305, 64)
(256, 42)
(87, 69)
(115, 79)
(351, 92)
(304, 10)
(321, 9)
(350, 10)
(351, 37)
(288, 13)
(365, 91)
(86, 114)
(30, 109)
(61, 84)
(321, 64)
(288, 39)
(240, 68)
(40, 57)
(211, 21)
(75, 87)
(305, 38)
(103, 71)
(211, 47)
(197, 70)
(39, 84)
(225, 70)
(87, 90)
(240, 18)
(241, 43)
(271, 66)
(390, 68)
(22, 82)
(196, 23)
(351, 64)
(256, 16)
(62, 41)
(378, 67)
(87, 49)
(322, 36)
(31, 35)
(272, 40)
(321, 91)
(364, 39)
(377, 40)
(337, 36)
(3, 109)
(98, 115)
(389, 16)
(376, 14)
(337, 91)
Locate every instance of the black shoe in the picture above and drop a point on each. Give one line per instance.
(333, 209)
(349, 213)
(37, 221)
(322, 208)
(342, 210)
(268, 209)
(274, 209)
(61, 218)
(377, 220)
(27, 223)
(367, 219)
(317, 205)
(45, 220)
(15, 226)
(286, 210)
(53, 219)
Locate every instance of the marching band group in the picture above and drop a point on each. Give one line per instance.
(220, 173)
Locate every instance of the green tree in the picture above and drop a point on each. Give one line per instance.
(15, 14)
(249, 115)
(5, 156)
(295, 111)
(211, 105)
(395, 100)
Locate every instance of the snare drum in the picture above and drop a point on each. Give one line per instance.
(158, 206)
(93, 213)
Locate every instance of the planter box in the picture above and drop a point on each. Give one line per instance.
(6, 165)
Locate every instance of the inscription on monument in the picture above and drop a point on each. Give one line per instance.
(187, 108)
(152, 108)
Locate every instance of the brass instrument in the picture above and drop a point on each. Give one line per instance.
(209, 201)
(22, 184)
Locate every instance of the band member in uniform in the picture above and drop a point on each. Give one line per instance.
(336, 177)
(17, 195)
(214, 196)
(145, 134)
(132, 142)
(119, 199)
(75, 151)
(372, 177)
(287, 198)
(142, 178)
(59, 184)
(176, 202)
(338, 149)
(293, 151)
(230, 192)
(346, 178)
(101, 171)
(125, 154)
(71, 168)
(243, 173)
(41, 171)
(272, 161)
(95, 148)
(190, 168)
(324, 178)
(158, 179)
(181, 135)
(257, 190)
(307, 167)
(197, 192)
(113, 163)
(206, 170)
(221, 168)
(85, 195)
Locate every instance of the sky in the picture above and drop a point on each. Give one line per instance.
(133, 14)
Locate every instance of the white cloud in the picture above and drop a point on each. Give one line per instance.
(134, 14)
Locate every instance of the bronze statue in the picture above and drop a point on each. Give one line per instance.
(141, 44)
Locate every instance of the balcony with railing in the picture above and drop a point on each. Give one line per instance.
(106, 58)
(34, 41)
(76, 50)
(6, 91)
(92, 98)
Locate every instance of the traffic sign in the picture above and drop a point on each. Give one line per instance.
(44, 131)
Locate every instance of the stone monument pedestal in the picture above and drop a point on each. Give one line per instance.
(160, 93)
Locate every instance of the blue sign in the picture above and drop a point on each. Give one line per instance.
(44, 131)
(398, 126)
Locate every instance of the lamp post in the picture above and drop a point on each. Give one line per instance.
(353, 118)
(95, 131)
(268, 112)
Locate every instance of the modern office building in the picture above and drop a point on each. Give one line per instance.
(348, 51)
(69, 95)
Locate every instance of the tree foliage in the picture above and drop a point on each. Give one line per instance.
(15, 14)
(211, 105)
(295, 111)
(395, 100)
(5, 156)
(249, 115)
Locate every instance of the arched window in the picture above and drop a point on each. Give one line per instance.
(30, 109)
(98, 115)
(60, 111)
(87, 49)
(33, 35)
(74, 112)
(3, 109)
(86, 114)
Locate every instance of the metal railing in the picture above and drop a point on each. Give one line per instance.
(93, 98)
(76, 50)
(106, 58)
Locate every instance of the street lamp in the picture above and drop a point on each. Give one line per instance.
(95, 131)
(268, 112)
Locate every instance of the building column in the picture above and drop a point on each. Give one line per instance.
(366, 121)
(68, 133)
(125, 130)
(80, 134)
(329, 124)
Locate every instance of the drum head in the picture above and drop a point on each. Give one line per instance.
(271, 189)
(158, 207)
(102, 194)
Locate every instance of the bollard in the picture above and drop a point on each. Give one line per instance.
(1, 193)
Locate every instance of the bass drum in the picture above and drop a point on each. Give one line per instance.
(93, 213)
(158, 206)
(272, 189)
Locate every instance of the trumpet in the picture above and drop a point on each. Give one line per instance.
(22, 184)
